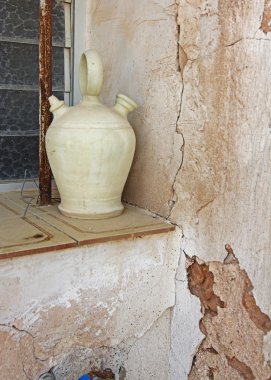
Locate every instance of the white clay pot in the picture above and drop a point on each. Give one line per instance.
(90, 147)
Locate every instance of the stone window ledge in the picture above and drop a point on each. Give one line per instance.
(44, 229)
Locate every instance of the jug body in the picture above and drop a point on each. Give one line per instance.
(90, 148)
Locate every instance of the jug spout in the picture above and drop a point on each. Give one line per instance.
(58, 107)
(124, 105)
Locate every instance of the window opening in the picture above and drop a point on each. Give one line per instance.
(19, 80)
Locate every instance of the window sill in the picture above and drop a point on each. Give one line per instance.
(44, 229)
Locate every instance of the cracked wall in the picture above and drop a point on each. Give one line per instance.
(200, 71)
(138, 44)
(107, 305)
(224, 185)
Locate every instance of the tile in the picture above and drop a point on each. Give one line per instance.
(30, 235)
(133, 222)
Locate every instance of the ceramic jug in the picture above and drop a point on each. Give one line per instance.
(90, 147)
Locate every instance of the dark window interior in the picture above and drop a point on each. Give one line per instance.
(19, 78)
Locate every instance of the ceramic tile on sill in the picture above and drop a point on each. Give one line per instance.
(134, 222)
(30, 235)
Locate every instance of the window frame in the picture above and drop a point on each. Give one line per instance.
(75, 45)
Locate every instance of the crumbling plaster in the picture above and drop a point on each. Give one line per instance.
(233, 325)
(96, 303)
(200, 71)
(225, 178)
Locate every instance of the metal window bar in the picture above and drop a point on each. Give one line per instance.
(45, 90)
(45, 87)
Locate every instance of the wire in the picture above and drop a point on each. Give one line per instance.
(27, 199)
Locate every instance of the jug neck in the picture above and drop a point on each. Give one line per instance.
(93, 99)
(58, 107)
(124, 105)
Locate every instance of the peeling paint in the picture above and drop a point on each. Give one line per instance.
(233, 324)
(266, 18)
(261, 320)
(242, 368)
(201, 284)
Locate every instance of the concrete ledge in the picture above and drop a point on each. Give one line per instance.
(44, 229)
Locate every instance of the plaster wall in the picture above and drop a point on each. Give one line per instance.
(99, 306)
(200, 71)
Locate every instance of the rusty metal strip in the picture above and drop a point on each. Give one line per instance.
(45, 90)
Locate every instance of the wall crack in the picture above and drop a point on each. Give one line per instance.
(182, 60)
(21, 333)
(204, 206)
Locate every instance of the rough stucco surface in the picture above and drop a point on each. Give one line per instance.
(90, 305)
(233, 325)
(224, 184)
(200, 70)
(185, 333)
(137, 42)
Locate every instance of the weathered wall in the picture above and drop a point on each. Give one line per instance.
(200, 71)
(224, 184)
(138, 44)
(103, 305)
(233, 325)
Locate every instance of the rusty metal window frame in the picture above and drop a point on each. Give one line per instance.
(45, 90)
(45, 85)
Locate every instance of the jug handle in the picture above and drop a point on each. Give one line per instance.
(90, 73)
